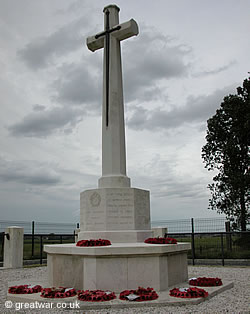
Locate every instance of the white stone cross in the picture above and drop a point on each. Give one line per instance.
(113, 129)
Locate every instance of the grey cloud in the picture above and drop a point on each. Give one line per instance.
(78, 85)
(74, 8)
(215, 71)
(184, 188)
(137, 121)
(197, 109)
(46, 122)
(38, 107)
(163, 181)
(143, 67)
(150, 58)
(27, 172)
(42, 51)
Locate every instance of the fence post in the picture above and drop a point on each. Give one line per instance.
(222, 250)
(193, 244)
(228, 236)
(41, 249)
(33, 239)
(2, 241)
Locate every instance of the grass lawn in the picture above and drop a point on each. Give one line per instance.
(211, 247)
(27, 247)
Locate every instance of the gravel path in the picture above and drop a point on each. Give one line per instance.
(236, 300)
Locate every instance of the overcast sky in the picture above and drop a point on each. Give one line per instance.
(187, 57)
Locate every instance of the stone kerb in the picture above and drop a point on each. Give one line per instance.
(13, 248)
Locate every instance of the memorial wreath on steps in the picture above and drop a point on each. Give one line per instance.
(93, 242)
(25, 289)
(160, 240)
(60, 292)
(205, 282)
(141, 294)
(95, 295)
(188, 293)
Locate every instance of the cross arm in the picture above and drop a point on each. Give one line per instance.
(127, 29)
(94, 44)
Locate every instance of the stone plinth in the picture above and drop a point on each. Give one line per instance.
(117, 267)
(13, 248)
(116, 214)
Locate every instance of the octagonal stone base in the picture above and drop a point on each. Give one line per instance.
(117, 267)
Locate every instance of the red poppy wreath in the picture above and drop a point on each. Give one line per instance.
(25, 289)
(205, 282)
(188, 293)
(60, 292)
(161, 241)
(92, 242)
(141, 294)
(95, 295)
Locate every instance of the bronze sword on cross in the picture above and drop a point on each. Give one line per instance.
(106, 33)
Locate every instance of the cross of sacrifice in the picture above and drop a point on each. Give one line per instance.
(113, 130)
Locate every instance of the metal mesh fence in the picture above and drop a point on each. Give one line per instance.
(209, 224)
(40, 227)
(56, 228)
(178, 226)
(174, 226)
(213, 245)
(36, 252)
(199, 224)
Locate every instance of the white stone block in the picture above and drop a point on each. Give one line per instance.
(13, 248)
(159, 232)
(76, 234)
(114, 181)
(116, 214)
(144, 271)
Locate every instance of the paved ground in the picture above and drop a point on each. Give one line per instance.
(235, 300)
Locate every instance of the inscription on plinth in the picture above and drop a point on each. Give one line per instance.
(92, 212)
(142, 218)
(120, 209)
(114, 209)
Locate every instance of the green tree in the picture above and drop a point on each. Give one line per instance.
(227, 150)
